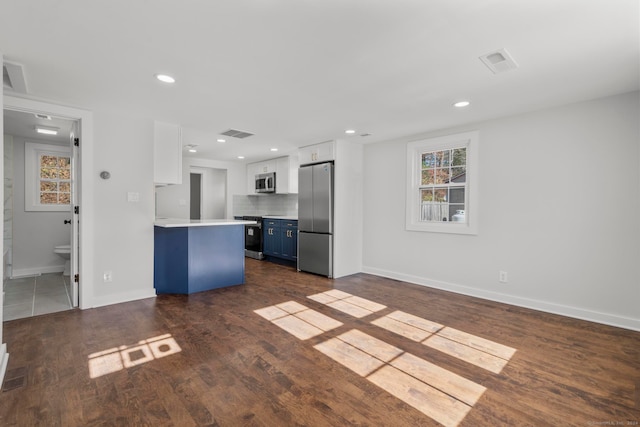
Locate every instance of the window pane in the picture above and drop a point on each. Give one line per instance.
(65, 187)
(457, 213)
(442, 175)
(456, 195)
(64, 162)
(65, 198)
(427, 195)
(48, 198)
(459, 174)
(48, 186)
(49, 173)
(64, 173)
(440, 194)
(434, 211)
(443, 158)
(459, 157)
(428, 160)
(48, 161)
(427, 177)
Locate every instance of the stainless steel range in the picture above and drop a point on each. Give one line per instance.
(253, 238)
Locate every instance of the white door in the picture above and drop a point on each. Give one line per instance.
(75, 222)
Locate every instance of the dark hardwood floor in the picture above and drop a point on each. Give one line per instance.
(209, 359)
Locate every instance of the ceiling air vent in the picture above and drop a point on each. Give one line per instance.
(13, 77)
(499, 61)
(234, 133)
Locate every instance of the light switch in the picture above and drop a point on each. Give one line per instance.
(133, 196)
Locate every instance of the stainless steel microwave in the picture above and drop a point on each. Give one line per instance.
(266, 182)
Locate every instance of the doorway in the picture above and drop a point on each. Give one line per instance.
(41, 189)
(195, 195)
(208, 192)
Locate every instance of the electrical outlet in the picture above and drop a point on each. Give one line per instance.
(108, 277)
(502, 277)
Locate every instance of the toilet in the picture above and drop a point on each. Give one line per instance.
(65, 252)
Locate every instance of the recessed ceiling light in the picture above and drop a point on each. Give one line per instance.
(222, 140)
(241, 157)
(349, 131)
(47, 130)
(461, 104)
(165, 78)
(274, 149)
(193, 150)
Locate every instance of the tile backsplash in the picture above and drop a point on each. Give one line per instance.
(268, 204)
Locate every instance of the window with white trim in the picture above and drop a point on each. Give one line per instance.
(47, 177)
(442, 184)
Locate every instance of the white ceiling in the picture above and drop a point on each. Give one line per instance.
(18, 123)
(296, 72)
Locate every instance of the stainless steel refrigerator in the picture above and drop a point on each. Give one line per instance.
(315, 219)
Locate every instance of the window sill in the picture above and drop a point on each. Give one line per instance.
(447, 227)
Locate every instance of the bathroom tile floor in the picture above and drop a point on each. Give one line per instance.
(32, 296)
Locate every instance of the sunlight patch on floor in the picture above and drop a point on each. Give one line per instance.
(478, 351)
(298, 320)
(441, 395)
(117, 358)
(345, 302)
(438, 393)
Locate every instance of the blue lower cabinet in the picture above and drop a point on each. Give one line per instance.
(280, 239)
(289, 233)
(271, 239)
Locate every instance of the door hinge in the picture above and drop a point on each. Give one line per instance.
(76, 210)
(76, 278)
(76, 142)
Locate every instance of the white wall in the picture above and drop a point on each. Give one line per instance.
(348, 203)
(35, 234)
(559, 202)
(214, 189)
(172, 201)
(123, 231)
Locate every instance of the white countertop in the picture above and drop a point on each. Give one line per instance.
(290, 217)
(181, 222)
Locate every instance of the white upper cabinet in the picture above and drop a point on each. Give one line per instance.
(265, 167)
(167, 153)
(287, 175)
(317, 153)
(252, 171)
(285, 168)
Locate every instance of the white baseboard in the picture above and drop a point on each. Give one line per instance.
(120, 298)
(577, 313)
(4, 362)
(16, 273)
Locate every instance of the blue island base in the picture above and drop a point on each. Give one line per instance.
(196, 259)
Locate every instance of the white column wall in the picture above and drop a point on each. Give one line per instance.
(123, 242)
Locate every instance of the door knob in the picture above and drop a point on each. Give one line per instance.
(67, 221)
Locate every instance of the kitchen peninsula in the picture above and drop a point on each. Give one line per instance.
(197, 255)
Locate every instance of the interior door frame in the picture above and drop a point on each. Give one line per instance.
(75, 222)
(84, 218)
